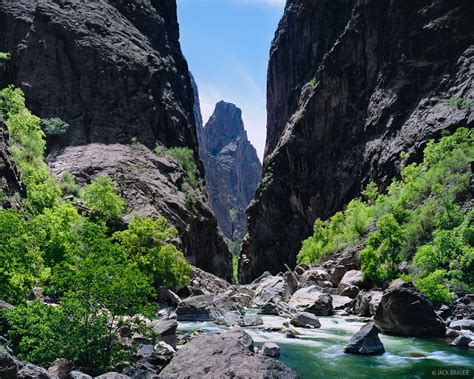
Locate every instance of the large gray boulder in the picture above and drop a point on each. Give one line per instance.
(271, 288)
(311, 299)
(228, 355)
(366, 303)
(349, 284)
(270, 349)
(167, 331)
(464, 339)
(366, 341)
(316, 276)
(211, 308)
(404, 311)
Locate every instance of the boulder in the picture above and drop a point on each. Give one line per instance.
(210, 308)
(8, 367)
(337, 273)
(366, 341)
(162, 348)
(341, 302)
(317, 276)
(462, 325)
(305, 320)
(279, 308)
(349, 284)
(253, 320)
(366, 303)
(464, 339)
(60, 368)
(112, 375)
(404, 311)
(225, 355)
(270, 349)
(30, 371)
(79, 375)
(167, 331)
(311, 299)
(166, 296)
(271, 288)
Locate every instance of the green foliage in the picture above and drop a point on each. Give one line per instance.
(54, 126)
(28, 145)
(459, 102)
(147, 242)
(419, 217)
(68, 185)
(185, 156)
(4, 58)
(383, 252)
(341, 230)
(20, 259)
(433, 286)
(101, 280)
(102, 199)
(235, 268)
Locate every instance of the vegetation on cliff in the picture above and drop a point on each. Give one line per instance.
(424, 217)
(99, 272)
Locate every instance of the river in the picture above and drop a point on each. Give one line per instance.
(318, 353)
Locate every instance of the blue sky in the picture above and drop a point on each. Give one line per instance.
(227, 44)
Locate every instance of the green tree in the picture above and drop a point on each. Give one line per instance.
(102, 199)
(185, 157)
(147, 241)
(384, 252)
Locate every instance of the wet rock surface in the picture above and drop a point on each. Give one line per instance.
(366, 341)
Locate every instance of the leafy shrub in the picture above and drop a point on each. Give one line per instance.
(68, 185)
(28, 145)
(384, 251)
(54, 126)
(147, 242)
(419, 217)
(185, 156)
(4, 58)
(102, 199)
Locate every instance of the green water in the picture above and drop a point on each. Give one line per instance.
(318, 353)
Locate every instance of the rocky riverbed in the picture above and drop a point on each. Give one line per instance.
(310, 322)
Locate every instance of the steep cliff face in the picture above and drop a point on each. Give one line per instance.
(233, 170)
(398, 74)
(113, 70)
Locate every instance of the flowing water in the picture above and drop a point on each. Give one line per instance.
(318, 353)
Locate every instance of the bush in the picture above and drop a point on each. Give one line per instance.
(68, 185)
(54, 126)
(383, 252)
(419, 217)
(4, 58)
(102, 199)
(185, 156)
(434, 287)
(147, 242)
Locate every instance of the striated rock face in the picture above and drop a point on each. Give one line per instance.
(232, 167)
(114, 71)
(367, 80)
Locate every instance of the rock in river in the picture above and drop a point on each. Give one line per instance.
(366, 341)
(305, 320)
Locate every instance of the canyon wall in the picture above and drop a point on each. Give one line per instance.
(351, 85)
